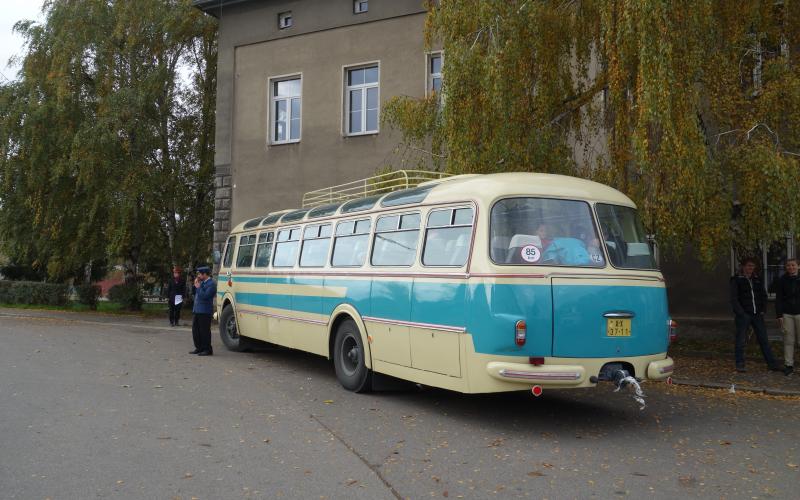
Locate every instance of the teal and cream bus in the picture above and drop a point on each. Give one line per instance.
(474, 283)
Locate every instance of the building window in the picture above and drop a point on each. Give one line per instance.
(285, 20)
(361, 98)
(285, 109)
(435, 73)
(360, 6)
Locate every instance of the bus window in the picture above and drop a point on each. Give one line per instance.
(625, 238)
(264, 249)
(247, 245)
(447, 237)
(543, 231)
(286, 248)
(316, 241)
(396, 238)
(350, 245)
(229, 252)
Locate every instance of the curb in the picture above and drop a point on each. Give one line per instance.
(719, 385)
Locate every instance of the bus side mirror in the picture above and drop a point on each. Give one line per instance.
(217, 256)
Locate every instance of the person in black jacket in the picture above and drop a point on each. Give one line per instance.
(787, 309)
(748, 299)
(176, 292)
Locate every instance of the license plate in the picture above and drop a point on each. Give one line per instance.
(618, 327)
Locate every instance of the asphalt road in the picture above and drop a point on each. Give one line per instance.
(118, 409)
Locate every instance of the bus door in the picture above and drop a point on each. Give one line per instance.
(595, 317)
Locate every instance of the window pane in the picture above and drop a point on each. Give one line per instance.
(283, 235)
(311, 232)
(625, 238)
(363, 226)
(371, 75)
(372, 120)
(395, 248)
(355, 77)
(387, 223)
(350, 250)
(463, 216)
(437, 85)
(325, 231)
(280, 120)
(296, 108)
(436, 64)
(410, 221)
(285, 254)
(355, 100)
(447, 246)
(345, 228)
(439, 218)
(245, 257)
(294, 234)
(287, 88)
(262, 254)
(544, 232)
(372, 98)
(355, 122)
(229, 252)
(314, 252)
(294, 130)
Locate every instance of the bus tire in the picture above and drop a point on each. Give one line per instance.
(349, 358)
(229, 330)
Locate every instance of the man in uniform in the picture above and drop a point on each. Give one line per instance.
(204, 291)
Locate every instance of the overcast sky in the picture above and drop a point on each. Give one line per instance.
(12, 11)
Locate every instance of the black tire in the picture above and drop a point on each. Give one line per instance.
(349, 358)
(229, 330)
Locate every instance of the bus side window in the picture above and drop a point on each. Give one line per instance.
(350, 245)
(264, 249)
(229, 252)
(316, 241)
(286, 246)
(447, 237)
(396, 240)
(247, 245)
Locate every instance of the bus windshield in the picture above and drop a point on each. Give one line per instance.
(545, 232)
(625, 238)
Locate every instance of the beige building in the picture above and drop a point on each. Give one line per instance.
(299, 95)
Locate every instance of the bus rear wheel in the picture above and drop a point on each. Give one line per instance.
(229, 331)
(349, 358)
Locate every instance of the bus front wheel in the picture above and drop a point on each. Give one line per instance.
(349, 358)
(229, 331)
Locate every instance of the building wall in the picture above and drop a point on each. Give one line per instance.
(253, 177)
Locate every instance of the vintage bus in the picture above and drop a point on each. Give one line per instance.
(473, 283)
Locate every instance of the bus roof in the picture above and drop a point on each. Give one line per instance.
(488, 187)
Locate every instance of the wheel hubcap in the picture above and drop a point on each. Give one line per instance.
(230, 329)
(351, 355)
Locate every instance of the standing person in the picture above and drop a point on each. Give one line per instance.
(204, 291)
(787, 309)
(748, 299)
(176, 291)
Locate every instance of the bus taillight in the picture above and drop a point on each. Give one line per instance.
(520, 333)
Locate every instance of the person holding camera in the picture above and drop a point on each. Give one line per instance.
(205, 289)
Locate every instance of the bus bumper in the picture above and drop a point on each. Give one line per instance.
(659, 370)
(566, 375)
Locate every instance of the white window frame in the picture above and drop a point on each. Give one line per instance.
(346, 99)
(357, 4)
(282, 17)
(429, 75)
(273, 112)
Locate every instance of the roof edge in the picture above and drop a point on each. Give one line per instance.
(214, 7)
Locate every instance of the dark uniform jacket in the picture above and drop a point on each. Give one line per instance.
(748, 296)
(787, 295)
(204, 297)
(176, 288)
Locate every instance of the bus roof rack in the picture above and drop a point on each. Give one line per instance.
(370, 186)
